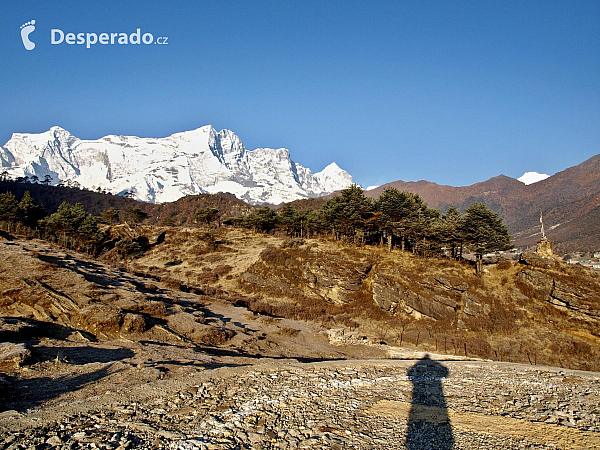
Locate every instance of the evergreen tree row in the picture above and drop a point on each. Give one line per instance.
(396, 218)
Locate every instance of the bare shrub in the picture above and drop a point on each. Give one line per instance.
(171, 282)
(503, 265)
(287, 331)
(207, 277)
(289, 243)
(216, 336)
(222, 269)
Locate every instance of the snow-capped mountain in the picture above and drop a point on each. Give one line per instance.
(532, 177)
(164, 169)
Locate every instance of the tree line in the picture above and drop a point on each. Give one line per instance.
(395, 218)
(70, 226)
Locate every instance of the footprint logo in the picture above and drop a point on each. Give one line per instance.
(26, 30)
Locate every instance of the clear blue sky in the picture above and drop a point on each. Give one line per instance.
(453, 91)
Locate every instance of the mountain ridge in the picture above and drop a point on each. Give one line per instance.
(569, 199)
(197, 161)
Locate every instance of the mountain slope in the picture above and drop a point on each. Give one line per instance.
(165, 169)
(569, 199)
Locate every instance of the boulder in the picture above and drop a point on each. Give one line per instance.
(133, 323)
(101, 319)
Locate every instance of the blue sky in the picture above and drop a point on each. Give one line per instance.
(451, 92)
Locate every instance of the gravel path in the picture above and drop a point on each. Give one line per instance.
(373, 404)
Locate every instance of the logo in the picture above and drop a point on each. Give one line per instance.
(26, 30)
(59, 36)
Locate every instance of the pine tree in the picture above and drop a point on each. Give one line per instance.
(404, 214)
(450, 231)
(347, 213)
(208, 215)
(29, 213)
(9, 208)
(484, 232)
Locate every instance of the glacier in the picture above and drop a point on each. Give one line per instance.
(160, 170)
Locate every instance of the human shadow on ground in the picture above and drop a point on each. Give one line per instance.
(428, 423)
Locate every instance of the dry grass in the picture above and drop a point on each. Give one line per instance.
(517, 327)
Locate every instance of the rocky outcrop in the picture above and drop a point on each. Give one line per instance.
(308, 272)
(101, 320)
(577, 294)
(534, 283)
(393, 297)
(12, 355)
(456, 285)
(443, 299)
(536, 260)
(473, 306)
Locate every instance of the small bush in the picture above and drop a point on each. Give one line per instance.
(287, 331)
(503, 265)
(222, 269)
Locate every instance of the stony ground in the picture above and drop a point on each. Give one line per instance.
(336, 404)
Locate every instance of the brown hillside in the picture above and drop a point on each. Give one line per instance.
(568, 199)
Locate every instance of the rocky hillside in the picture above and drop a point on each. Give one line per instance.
(223, 338)
(534, 308)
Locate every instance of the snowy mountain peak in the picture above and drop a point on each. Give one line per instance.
(165, 169)
(332, 168)
(532, 177)
(334, 178)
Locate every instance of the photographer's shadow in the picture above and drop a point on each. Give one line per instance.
(428, 423)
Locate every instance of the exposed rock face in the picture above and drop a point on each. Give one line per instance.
(445, 300)
(536, 283)
(12, 355)
(393, 297)
(537, 260)
(308, 272)
(334, 277)
(101, 319)
(456, 285)
(576, 295)
(472, 306)
(387, 293)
